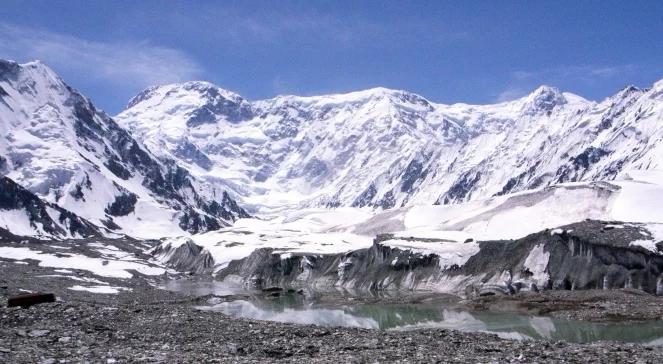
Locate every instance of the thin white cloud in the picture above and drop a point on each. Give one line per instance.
(524, 81)
(511, 93)
(587, 73)
(283, 25)
(129, 64)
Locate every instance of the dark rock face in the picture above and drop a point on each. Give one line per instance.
(579, 164)
(123, 205)
(366, 197)
(8, 69)
(520, 180)
(190, 153)
(78, 192)
(413, 173)
(15, 197)
(586, 255)
(194, 222)
(187, 257)
(228, 210)
(3, 164)
(461, 189)
(388, 200)
(229, 206)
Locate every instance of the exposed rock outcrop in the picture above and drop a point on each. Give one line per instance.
(47, 219)
(187, 257)
(585, 255)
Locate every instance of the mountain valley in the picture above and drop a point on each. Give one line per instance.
(372, 196)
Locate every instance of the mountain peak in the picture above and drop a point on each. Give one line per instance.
(543, 99)
(8, 68)
(627, 91)
(205, 87)
(379, 92)
(34, 64)
(546, 91)
(376, 94)
(201, 89)
(15, 69)
(198, 102)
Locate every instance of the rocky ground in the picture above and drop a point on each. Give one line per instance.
(174, 331)
(152, 325)
(147, 324)
(589, 305)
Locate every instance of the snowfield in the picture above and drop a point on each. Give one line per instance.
(455, 229)
(111, 267)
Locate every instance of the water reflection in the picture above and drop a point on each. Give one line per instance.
(327, 310)
(201, 287)
(297, 309)
(304, 316)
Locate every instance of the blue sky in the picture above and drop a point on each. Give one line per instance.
(460, 51)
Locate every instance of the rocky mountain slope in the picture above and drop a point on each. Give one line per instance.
(387, 148)
(57, 145)
(23, 213)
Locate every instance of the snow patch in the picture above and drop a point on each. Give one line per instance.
(99, 289)
(449, 253)
(100, 267)
(537, 263)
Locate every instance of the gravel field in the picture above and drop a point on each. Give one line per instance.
(173, 331)
(147, 324)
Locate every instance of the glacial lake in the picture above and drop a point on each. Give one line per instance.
(304, 309)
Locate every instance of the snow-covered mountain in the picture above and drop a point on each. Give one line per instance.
(57, 145)
(22, 213)
(387, 148)
(162, 167)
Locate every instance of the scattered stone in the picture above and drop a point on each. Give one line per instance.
(151, 325)
(38, 333)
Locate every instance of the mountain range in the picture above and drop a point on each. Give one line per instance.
(65, 152)
(386, 148)
(192, 157)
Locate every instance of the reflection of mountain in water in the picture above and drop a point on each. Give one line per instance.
(302, 316)
(296, 309)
